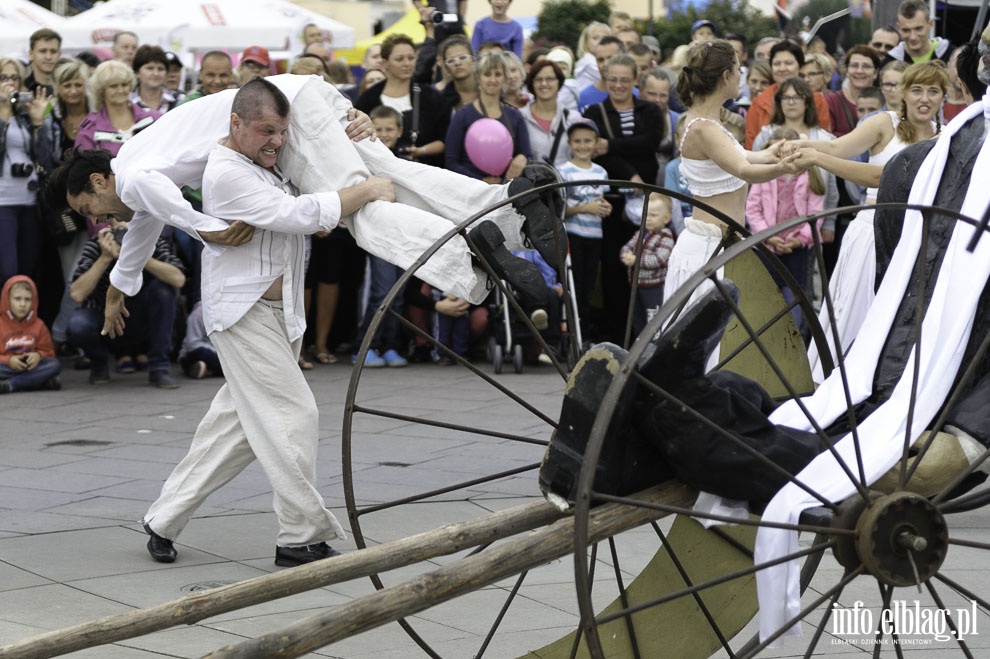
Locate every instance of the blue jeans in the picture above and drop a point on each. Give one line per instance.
(383, 278)
(20, 240)
(46, 369)
(152, 316)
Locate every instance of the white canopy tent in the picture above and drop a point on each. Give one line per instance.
(19, 19)
(199, 25)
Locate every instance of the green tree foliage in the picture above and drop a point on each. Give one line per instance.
(736, 16)
(561, 21)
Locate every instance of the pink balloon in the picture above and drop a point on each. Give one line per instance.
(489, 146)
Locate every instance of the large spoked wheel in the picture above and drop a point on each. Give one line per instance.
(867, 559)
(490, 454)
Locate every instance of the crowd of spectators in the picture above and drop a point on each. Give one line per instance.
(608, 109)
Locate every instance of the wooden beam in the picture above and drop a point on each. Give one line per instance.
(443, 584)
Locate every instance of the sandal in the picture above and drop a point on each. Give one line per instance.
(305, 365)
(326, 358)
(125, 365)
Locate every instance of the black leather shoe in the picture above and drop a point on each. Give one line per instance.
(489, 243)
(161, 549)
(293, 556)
(681, 351)
(539, 223)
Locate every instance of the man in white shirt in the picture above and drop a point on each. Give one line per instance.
(320, 155)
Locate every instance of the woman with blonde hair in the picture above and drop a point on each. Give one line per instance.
(71, 101)
(923, 87)
(115, 118)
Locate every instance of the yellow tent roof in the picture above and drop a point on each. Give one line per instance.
(408, 25)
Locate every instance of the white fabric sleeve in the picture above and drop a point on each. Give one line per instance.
(151, 191)
(137, 248)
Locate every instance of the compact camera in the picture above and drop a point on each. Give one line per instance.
(22, 98)
(439, 17)
(21, 169)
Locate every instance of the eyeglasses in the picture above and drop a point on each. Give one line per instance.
(457, 59)
(545, 81)
(619, 81)
(810, 74)
(791, 99)
(889, 86)
(10, 78)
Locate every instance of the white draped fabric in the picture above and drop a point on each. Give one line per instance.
(945, 333)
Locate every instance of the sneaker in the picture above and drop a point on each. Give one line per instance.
(99, 374)
(540, 319)
(539, 223)
(162, 380)
(393, 359)
(488, 243)
(54, 383)
(371, 360)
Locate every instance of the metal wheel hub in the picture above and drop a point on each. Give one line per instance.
(901, 539)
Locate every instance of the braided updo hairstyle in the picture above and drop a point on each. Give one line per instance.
(706, 62)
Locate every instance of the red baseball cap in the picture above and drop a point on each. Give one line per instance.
(256, 54)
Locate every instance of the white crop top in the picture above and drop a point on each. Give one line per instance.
(705, 178)
(894, 146)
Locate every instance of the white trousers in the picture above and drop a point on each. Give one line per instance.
(265, 411)
(318, 157)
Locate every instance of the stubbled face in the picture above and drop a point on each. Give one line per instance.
(151, 75)
(582, 142)
(20, 301)
(260, 140)
(923, 102)
(861, 71)
(602, 55)
(914, 31)
(784, 65)
(44, 56)
(890, 85)
(99, 203)
(883, 41)
(401, 62)
(72, 91)
(388, 131)
(124, 48)
(215, 74)
(655, 90)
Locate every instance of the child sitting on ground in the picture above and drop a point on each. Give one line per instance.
(27, 356)
(657, 243)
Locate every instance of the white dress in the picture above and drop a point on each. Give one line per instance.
(853, 280)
